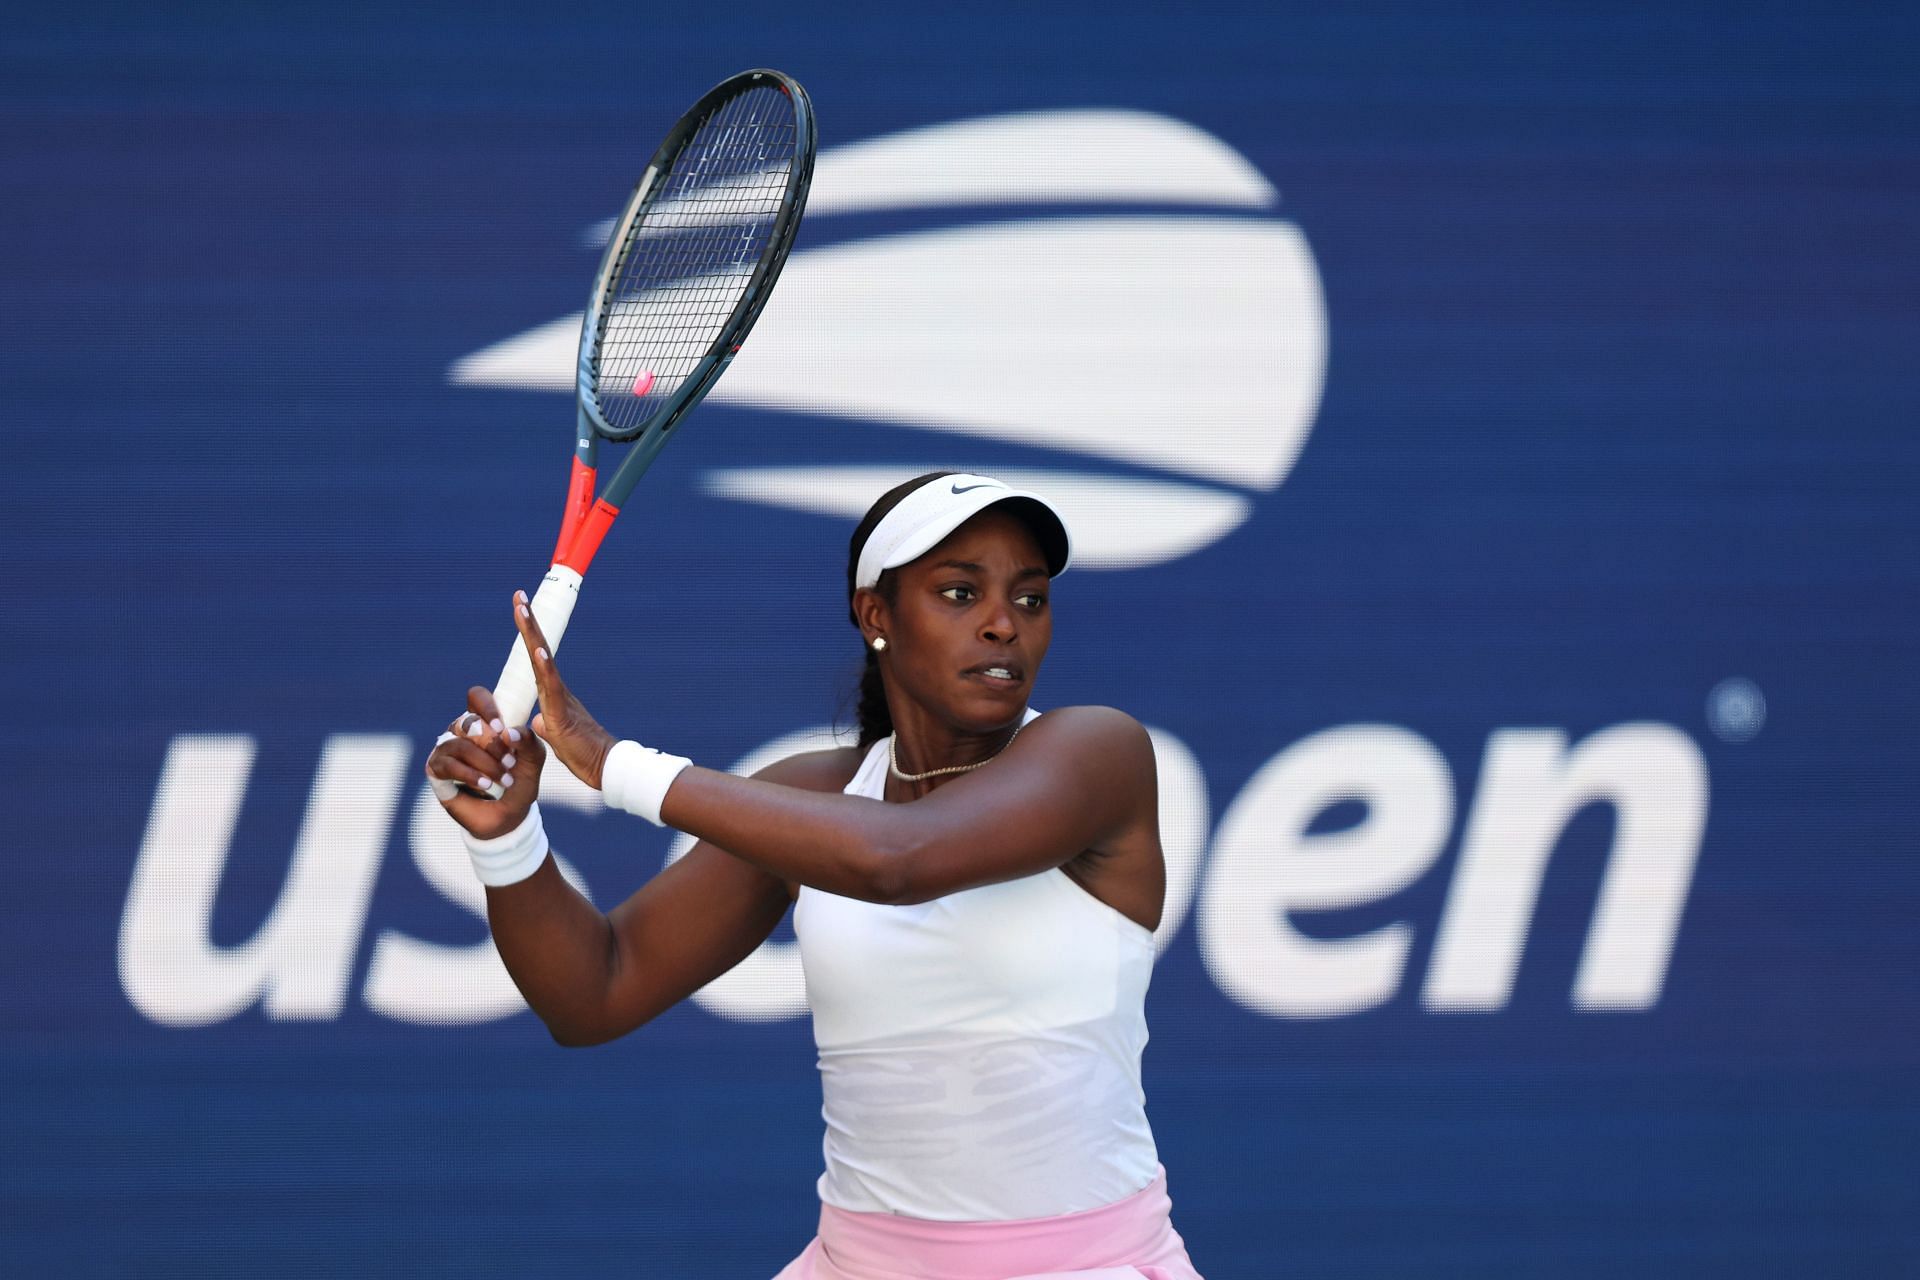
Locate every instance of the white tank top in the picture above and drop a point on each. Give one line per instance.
(980, 1053)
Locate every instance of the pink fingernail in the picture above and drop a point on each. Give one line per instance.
(513, 735)
(497, 726)
(523, 611)
(541, 654)
(506, 780)
(484, 784)
(508, 760)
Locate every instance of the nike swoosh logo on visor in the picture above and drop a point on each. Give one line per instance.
(958, 489)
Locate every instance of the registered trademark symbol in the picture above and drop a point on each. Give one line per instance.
(1736, 709)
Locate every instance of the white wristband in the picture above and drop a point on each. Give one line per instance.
(636, 778)
(510, 858)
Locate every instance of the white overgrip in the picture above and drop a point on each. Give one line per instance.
(515, 693)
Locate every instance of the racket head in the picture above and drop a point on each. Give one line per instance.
(695, 254)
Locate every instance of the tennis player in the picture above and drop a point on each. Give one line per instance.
(974, 887)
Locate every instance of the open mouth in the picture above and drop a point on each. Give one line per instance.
(999, 675)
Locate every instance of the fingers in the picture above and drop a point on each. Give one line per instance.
(545, 675)
(466, 762)
(490, 761)
(480, 815)
(470, 726)
(485, 711)
(532, 745)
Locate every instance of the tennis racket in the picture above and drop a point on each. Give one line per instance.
(688, 267)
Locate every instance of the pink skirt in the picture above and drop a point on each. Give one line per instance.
(1131, 1239)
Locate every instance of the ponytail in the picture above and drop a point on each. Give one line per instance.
(874, 717)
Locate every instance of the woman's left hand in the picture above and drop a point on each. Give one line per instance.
(562, 723)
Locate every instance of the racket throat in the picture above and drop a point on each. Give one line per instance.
(579, 499)
(578, 552)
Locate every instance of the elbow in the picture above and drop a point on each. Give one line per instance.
(568, 1036)
(586, 1021)
(586, 1033)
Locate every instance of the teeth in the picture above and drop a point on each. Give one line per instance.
(1002, 672)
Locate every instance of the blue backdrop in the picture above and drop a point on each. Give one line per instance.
(1492, 431)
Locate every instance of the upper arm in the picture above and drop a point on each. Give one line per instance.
(1076, 779)
(703, 915)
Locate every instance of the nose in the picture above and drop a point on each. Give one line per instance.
(997, 627)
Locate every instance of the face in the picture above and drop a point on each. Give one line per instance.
(969, 625)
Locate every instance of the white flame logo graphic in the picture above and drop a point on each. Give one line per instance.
(1186, 351)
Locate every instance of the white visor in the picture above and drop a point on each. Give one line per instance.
(926, 516)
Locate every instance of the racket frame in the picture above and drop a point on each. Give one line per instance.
(586, 519)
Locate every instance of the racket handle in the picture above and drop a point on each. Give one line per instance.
(515, 692)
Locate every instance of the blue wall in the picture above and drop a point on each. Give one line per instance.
(1610, 458)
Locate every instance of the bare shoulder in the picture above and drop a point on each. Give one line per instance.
(828, 770)
(1106, 733)
(1112, 765)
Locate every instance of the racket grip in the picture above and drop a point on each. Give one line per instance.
(515, 693)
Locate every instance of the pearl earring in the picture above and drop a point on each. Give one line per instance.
(879, 644)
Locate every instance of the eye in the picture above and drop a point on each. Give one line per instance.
(957, 593)
(1032, 600)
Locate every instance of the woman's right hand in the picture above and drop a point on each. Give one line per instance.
(476, 757)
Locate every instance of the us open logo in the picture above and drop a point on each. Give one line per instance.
(1172, 360)
(1167, 367)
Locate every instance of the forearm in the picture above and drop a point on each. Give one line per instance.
(846, 845)
(1078, 780)
(560, 951)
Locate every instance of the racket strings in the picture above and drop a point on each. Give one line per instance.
(688, 258)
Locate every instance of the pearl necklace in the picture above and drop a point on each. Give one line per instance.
(893, 760)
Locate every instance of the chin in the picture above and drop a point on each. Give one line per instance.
(998, 704)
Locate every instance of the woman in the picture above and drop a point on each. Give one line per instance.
(974, 888)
